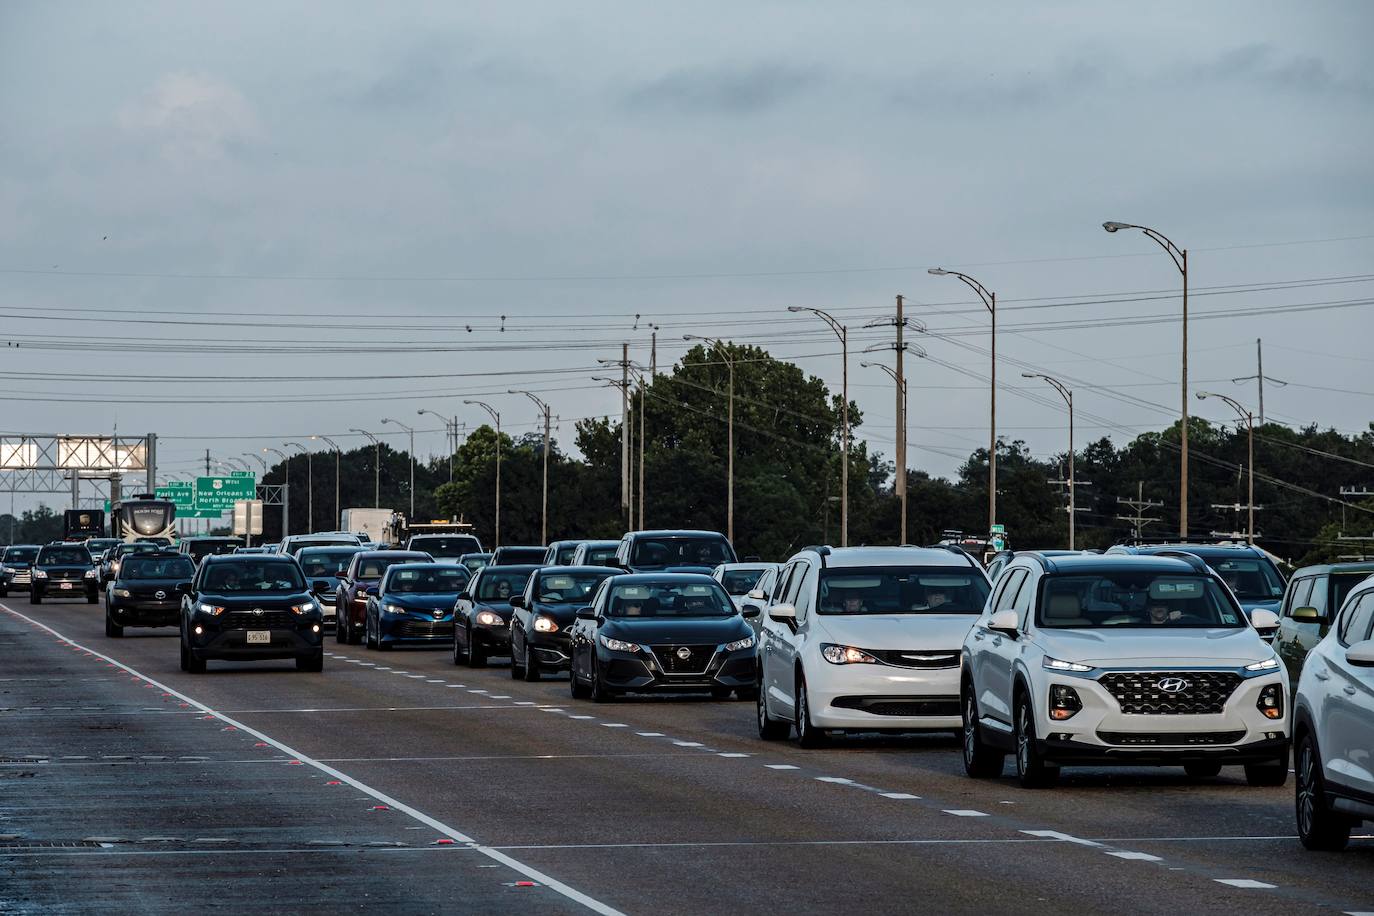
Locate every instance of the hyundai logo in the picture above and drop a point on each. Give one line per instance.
(1172, 685)
(684, 653)
(159, 594)
(257, 612)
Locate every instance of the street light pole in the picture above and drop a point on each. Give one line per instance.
(544, 512)
(1066, 393)
(729, 433)
(412, 463)
(1249, 419)
(338, 516)
(309, 486)
(496, 417)
(842, 333)
(376, 466)
(450, 431)
(1180, 259)
(990, 302)
(285, 489)
(903, 414)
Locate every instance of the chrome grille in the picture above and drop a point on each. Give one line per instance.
(917, 658)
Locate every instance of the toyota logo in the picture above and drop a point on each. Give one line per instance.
(438, 614)
(1172, 685)
(159, 594)
(684, 653)
(257, 612)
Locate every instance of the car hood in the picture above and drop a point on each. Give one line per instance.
(895, 631)
(500, 608)
(153, 584)
(1134, 647)
(67, 568)
(677, 629)
(561, 612)
(435, 601)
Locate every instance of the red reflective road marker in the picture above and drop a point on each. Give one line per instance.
(444, 842)
(379, 808)
(333, 782)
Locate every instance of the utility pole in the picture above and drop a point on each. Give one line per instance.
(625, 499)
(1259, 377)
(338, 518)
(1249, 419)
(721, 347)
(901, 419)
(207, 462)
(1139, 505)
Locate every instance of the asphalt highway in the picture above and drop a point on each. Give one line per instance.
(396, 781)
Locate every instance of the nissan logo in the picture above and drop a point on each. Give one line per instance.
(257, 612)
(1172, 685)
(684, 653)
(159, 594)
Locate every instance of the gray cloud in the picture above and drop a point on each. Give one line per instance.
(731, 90)
(1263, 65)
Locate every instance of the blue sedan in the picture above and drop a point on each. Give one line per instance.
(414, 604)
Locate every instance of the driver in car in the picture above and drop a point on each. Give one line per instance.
(935, 597)
(502, 589)
(1160, 614)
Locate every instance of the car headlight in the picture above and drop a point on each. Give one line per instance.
(39, 574)
(393, 609)
(1269, 664)
(488, 619)
(618, 645)
(214, 610)
(544, 624)
(304, 607)
(1055, 664)
(123, 593)
(90, 574)
(846, 655)
(745, 643)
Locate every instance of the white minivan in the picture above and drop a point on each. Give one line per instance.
(866, 639)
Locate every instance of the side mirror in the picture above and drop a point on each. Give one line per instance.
(1361, 654)
(586, 613)
(1306, 613)
(757, 594)
(1004, 622)
(1263, 619)
(749, 612)
(783, 613)
(517, 601)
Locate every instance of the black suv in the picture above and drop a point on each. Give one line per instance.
(673, 552)
(248, 607)
(200, 548)
(16, 565)
(147, 592)
(64, 570)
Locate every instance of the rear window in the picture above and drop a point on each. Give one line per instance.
(324, 563)
(374, 567)
(448, 546)
(433, 580)
(740, 581)
(1249, 578)
(157, 568)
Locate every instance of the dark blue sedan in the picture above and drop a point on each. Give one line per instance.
(414, 604)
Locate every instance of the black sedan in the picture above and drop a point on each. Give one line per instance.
(414, 604)
(481, 616)
(251, 606)
(147, 592)
(662, 632)
(63, 570)
(542, 622)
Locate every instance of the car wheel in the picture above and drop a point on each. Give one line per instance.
(747, 694)
(1267, 774)
(531, 670)
(770, 729)
(459, 656)
(598, 692)
(185, 656)
(35, 599)
(1031, 768)
(517, 670)
(92, 599)
(477, 655)
(313, 662)
(194, 665)
(981, 760)
(575, 687)
(368, 641)
(4, 593)
(808, 735)
(1202, 769)
(111, 628)
(1319, 828)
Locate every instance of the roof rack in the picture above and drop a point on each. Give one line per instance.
(1199, 539)
(955, 548)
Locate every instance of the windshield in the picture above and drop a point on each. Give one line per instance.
(448, 546)
(261, 576)
(1250, 578)
(64, 556)
(157, 568)
(500, 586)
(652, 599)
(658, 553)
(298, 546)
(740, 581)
(431, 580)
(509, 556)
(319, 564)
(902, 590)
(1135, 599)
(20, 554)
(475, 562)
(373, 567)
(564, 555)
(568, 588)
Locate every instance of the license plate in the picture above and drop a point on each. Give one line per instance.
(64, 585)
(259, 636)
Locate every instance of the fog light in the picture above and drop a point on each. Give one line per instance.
(199, 631)
(1270, 701)
(1064, 702)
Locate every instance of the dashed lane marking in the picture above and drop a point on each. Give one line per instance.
(900, 796)
(781, 766)
(1056, 835)
(1135, 856)
(964, 812)
(1248, 883)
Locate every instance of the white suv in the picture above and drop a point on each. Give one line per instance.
(1129, 660)
(1333, 727)
(866, 639)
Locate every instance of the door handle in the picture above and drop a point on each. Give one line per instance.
(1349, 691)
(1321, 674)
(978, 637)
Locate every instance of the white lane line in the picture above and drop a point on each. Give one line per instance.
(581, 717)
(525, 703)
(649, 734)
(838, 780)
(965, 812)
(433, 680)
(1249, 883)
(614, 725)
(780, 766)
(496, 696)
(1135, 856)
(1056, 835)
(497, 855)
(476, 690)
(733, 755)
(688, 743)
(900, 796)
(417, 676)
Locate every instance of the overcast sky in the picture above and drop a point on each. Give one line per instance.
(331, 177)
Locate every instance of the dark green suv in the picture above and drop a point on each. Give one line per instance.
(1310, 603)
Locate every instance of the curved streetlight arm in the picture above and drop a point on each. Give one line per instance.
(278, 452)
(1178, 254)
(714, 342)
(371, 438)
(825, 316)
(538, 401)
(304, 450)
(496, 417)
(259, 458)
(400, 424)
(1235, 405)
(915, 324)
(989, 300)
(1064, 391)
(332, 444)
(907, 347)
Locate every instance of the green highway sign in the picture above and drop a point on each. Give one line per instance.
(218, 494)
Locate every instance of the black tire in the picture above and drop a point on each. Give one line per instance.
(1031, 768)
(598, 692)
(1319, 828)
(1267, 774)
(981, 760)
(313, 662)
(1202, 769)
(368, 641)
(808, 735)
(92, 599)
(517, 670)
(578, 690)
(185, 656)
(112, 629)
(4, 593)
(746, 694)
(477, 656)
(531, 670)
(35, 599)
(460, 656)
(194, 665)
(770, 729)
(340, 624)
